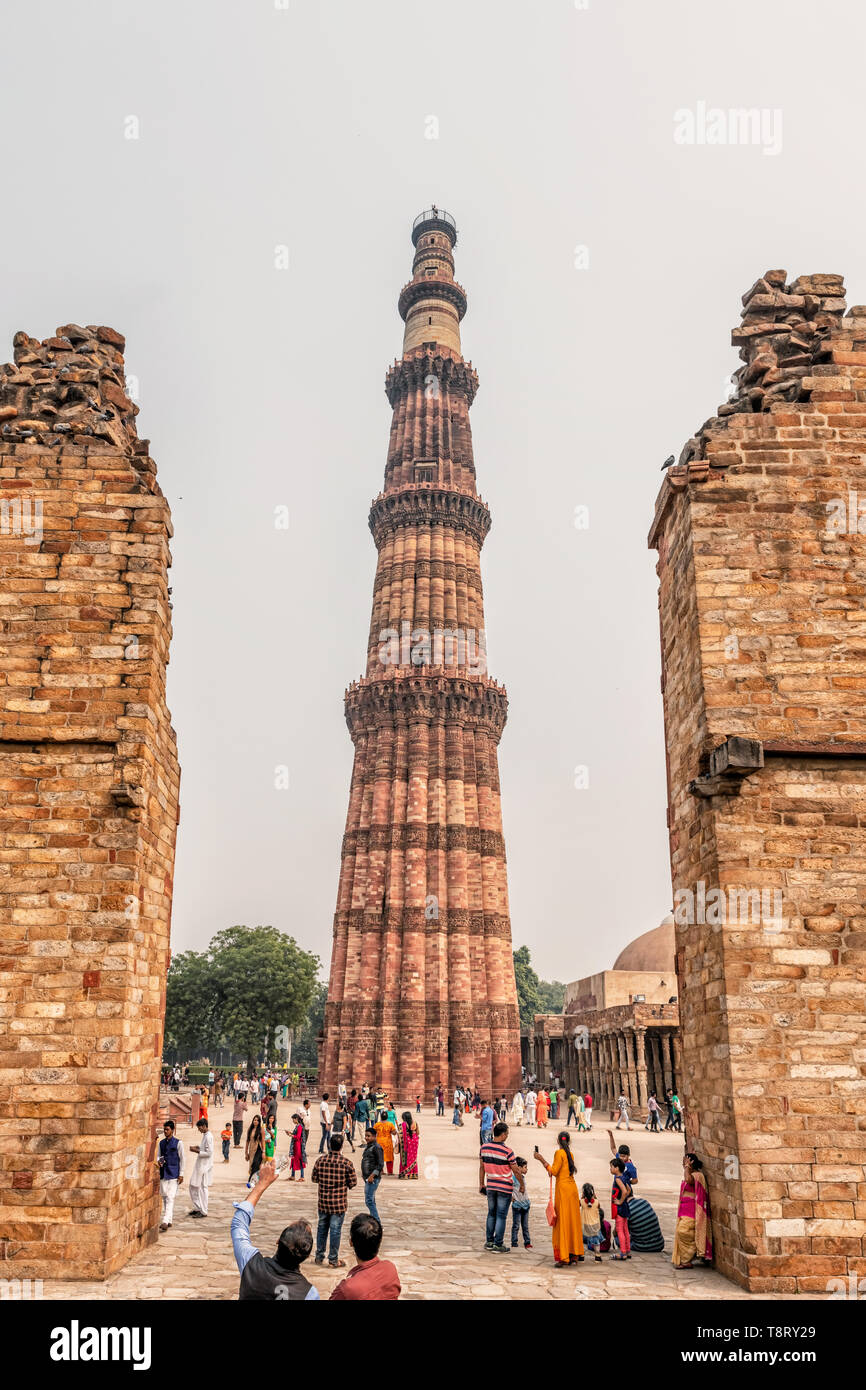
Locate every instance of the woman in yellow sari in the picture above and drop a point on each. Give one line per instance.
(568, 1231)
(385, 1132)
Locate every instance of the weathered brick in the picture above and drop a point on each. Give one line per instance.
(762, 573)
(85, 983)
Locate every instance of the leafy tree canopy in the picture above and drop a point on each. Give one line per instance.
(535, 996)
(245, 992)
(305, 1051)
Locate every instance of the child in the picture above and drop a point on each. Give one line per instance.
(270, 1138)
(226, 1136)
(606, 1233)
(590, 1213)
(417, 1105)
(619, 1200)
(520, 1209)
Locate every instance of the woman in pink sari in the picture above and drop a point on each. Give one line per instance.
(408, 1146)
(296, 1149)
(693, 1237)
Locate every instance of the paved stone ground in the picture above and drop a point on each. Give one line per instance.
(434, 1228)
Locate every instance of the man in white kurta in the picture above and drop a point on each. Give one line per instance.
(531, 1102)
(517, 1108)
(199, 1182)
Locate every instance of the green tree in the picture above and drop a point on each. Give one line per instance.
(535, 996)
(264, 982)
(192, 1023)
(305, 1052)
(528, 997)
(246, 993)
(552, 995)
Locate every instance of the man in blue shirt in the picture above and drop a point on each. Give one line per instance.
(275, 1277)
(488, 1120)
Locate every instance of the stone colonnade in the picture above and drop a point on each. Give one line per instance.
(610, 1053)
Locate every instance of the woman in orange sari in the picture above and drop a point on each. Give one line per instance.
(693, 1236)
(385, 1132)
(568, 1231)
(542, 1109)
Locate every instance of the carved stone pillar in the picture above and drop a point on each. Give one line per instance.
(616, 1057)
(667, 1061)
(678, 1061)
(619, 1060)
(630, 1067)
(613, 1082)
(604, 1078)
(655, 1055)
(640, 1049)
(594, 1070)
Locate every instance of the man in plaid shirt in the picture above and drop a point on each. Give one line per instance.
(334, 1175)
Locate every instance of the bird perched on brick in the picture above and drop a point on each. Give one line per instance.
(668, 461)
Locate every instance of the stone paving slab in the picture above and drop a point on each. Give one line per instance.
(434, 1228)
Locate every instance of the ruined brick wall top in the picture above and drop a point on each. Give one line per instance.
(778, 590)
(68, 388)
(785, 331)
(86, 628)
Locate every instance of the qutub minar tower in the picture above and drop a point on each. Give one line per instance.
(422, 986)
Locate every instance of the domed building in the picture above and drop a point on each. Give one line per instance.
(618, 1033)
(654, 950)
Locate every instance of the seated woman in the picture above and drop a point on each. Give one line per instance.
(643, 1228)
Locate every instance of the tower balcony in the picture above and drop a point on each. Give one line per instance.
(432, 287)
(434, 219)
(413, 370)
(425, 504)
(433, 695)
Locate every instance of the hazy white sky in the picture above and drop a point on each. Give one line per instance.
(307, 126)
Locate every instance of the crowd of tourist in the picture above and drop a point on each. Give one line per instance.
(253, 1085)
(575, 1214)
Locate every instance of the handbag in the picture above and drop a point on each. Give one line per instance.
(550, 1209)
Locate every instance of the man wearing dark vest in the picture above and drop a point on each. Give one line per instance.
(274, 1277)
(170, 1162)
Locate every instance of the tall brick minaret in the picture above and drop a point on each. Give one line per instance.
(422, 984)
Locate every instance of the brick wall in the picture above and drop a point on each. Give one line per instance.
(88, 808)
(761, 590)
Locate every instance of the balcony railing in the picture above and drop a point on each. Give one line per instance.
(434, 214)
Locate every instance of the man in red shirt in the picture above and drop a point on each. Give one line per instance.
(372, 1278)
(587, 1106)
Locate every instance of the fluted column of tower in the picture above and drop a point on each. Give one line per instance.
(422, 986)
